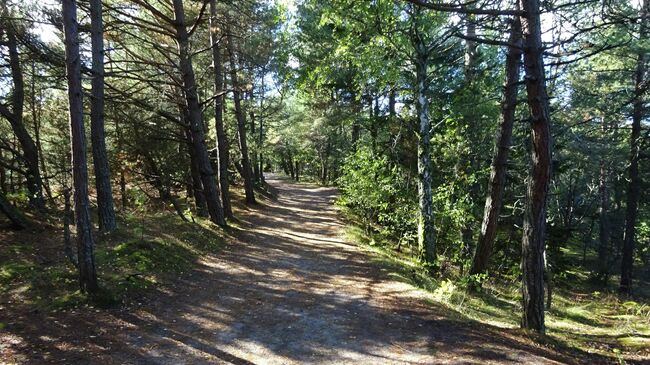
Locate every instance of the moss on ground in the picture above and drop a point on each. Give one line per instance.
(581, 319)
(142, 254)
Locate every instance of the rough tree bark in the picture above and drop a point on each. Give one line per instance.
(241, 125)
(634, 179)
(532, 258)
(105, 209)
(195, 117)
(15, 118)
(498, 169)
(195, 177)
(85, 244)
(222, 139)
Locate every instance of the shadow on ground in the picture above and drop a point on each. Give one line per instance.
(287, 289)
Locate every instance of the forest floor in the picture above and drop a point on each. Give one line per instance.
(285, 289)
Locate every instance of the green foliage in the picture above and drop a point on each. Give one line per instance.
(20, 198)
(373, 189)
(594, 322)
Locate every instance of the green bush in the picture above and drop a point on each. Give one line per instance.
(374, 190)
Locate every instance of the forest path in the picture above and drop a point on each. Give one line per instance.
(288, 289)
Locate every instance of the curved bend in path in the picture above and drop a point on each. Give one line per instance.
(289, 290)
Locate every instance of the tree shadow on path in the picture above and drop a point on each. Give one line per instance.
(287, 289)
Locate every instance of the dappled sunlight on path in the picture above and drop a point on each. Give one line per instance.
(288, 289)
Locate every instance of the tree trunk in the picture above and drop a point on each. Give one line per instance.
(498, 169)
(161, 184)
(356, 127)
(105, 209)
(15, 118)
(325, 162)
(67, 218)
(426, 230)
(85, 244)
(356, 133)
(3, 177)
(261, 162)
(18, 221)
(634, 179)
(470, 48)
(283, 165)
(241, 126)
(195, 117)
(292, 168)
(222, 139)
(123, 197)
(195, 177)
(540, 175)
(260, 136)
(254, 161)
(36, 119)
(604, 224)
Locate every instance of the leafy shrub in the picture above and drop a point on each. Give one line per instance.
(373, 189)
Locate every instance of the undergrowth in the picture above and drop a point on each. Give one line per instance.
(142, 254)
(588, 321)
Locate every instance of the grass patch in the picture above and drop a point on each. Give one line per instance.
(144, 253)
(587, 321)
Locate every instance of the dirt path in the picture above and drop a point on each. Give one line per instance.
(286, 290)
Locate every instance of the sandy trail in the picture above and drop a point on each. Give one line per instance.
(286, 290)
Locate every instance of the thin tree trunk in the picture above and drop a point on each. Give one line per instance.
(260, 136)
(85, 244)
(222, 139)
(292, 169)
(158, 181)
(634, 179)
(15, 118)
(3, 177)
(540, 174)
(195, 177)
(356, 127)
(254, 161)
(356, 133)
(605, 232)
(261, 162)
(67, 239)
(498, 169)
(285, 166)
(105, 209)
(36, 119)
(426, 230)
(241, 126)
(123, 197)
(324, 162)
(195, 117)
(470, 48)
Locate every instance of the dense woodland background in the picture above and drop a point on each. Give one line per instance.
(491, 145)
